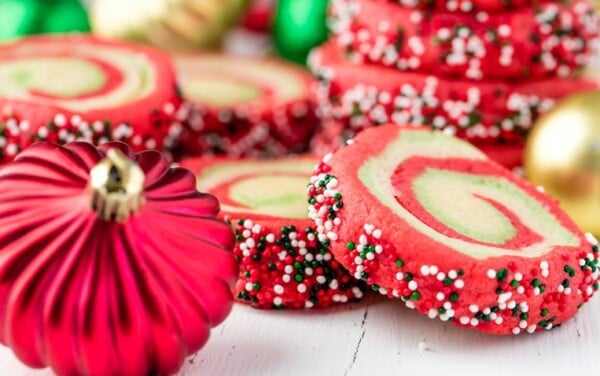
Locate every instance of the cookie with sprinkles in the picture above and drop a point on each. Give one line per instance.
(494, 115)
(264, 109)
(467, 6)
(76, 87)
(428, 219)
(282, 262)
(550, 39)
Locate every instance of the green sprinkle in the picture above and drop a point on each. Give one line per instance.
(256, 286)
(408, 277)
(415, 295)
(441, 310)
(246, 274)
(501, 275)
(297, 265)
(524, 316)
(375, 287)
(350, 246)
(535, 282)
(447, 281)
(569, 270)
(298, 278)
(544, 312)
(514, 283)
(453, 297)
(399, 263)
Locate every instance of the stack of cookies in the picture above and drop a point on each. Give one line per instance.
(483, 70)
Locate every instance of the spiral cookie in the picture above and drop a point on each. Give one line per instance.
(467, 6)
(493, 115)
(245, 106)
(428, 219)
(282, 262)
(64, 88)
(551, 39)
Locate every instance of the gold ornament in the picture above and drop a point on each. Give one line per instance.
(563, 156)
(170, 24)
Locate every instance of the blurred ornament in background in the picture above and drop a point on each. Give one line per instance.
(563, 156)
(18, 17)
(64, 16)
(299, 26)
(176, 25)
(24, 17)
(260, 16)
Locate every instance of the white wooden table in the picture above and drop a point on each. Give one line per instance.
(379, 337)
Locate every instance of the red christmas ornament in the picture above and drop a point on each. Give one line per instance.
(110, 263)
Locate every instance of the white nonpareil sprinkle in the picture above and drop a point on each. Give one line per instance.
(413, 285)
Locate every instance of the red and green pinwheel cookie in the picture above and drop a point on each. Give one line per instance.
(76, 87)
(111, 263)
(428, 219)
(493, 115)
(551, 39)
(245, 106)
(467, 6)
(282, 262)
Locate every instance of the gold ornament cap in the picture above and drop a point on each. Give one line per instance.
(117, 185)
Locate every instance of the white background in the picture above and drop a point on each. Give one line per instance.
(379, 337)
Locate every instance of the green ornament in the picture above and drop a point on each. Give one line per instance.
(65, 16)
(24, 17)
(19, 17)
(299, 26)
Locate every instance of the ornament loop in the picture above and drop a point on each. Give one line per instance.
(117, 185)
